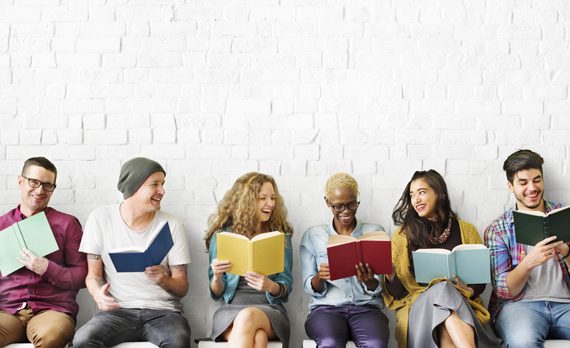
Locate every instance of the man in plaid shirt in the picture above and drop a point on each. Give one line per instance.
(531, 286)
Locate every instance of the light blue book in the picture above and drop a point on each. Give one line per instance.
(470, 262)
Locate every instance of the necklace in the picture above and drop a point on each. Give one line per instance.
(443, 236)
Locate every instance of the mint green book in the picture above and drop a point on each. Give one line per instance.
(470, 262)
(33, 233)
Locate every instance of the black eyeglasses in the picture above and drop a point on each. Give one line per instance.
(339, 208)
(35, 183)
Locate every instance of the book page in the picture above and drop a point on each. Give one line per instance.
(264, 235)
(434, 251)
(140, 249)
(337, 239)
(554, 211)
(129, 249)
(376, 235)
(532, 212)
(469, 247)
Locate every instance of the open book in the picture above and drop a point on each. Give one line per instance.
(533, 226)
(470, 262)
(137, 259)
(33, 233)
(345, 252)
(264, 253)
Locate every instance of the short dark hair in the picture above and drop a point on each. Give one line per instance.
(522, 160)
(40, 162)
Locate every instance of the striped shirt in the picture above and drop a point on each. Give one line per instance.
(506, 255)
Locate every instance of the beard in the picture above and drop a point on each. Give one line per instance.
(521, 200)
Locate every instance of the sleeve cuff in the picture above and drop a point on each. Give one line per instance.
(51, 272)
(376, 291)
(309, 289)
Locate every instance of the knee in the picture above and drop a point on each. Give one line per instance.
(81, 338)
(522, 340)
(330, 342)
(373, 342)
(246, 321)
(49, 341)
(177, 339)
(52, 338)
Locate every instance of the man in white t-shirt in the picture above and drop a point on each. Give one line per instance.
(135, 306)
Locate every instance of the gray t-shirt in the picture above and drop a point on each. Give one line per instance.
(545, 283)
(106, 231)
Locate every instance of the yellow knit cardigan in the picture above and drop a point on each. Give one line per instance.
(469, 235)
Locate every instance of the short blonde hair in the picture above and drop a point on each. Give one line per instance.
(341, 181)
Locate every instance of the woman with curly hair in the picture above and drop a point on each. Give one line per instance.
(445, 312)
(349, 308)
(252, 312)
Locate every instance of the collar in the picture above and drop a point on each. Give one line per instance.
(357, 232)
(509, 216)
(19, 216)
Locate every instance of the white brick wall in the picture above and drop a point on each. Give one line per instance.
(298, 89)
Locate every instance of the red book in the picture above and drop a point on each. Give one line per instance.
(344, 252)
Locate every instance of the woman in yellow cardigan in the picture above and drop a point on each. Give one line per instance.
(443, 313)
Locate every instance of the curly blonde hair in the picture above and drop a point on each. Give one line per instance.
(340, 181)
(238, 208)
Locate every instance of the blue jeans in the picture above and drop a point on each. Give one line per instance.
(530, 323)
(333, 326)
(164, 328)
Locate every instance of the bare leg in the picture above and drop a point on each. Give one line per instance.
(244, 333)
(461, 333)
(260, 339)
(445, 340)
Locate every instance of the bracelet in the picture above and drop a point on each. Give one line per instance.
(282, 290)
(568, 253)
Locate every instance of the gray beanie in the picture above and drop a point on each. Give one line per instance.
(134, 172)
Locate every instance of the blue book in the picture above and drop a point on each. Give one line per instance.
(470, 262)
(133, 260)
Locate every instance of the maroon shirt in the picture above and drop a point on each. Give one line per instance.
(57, 288)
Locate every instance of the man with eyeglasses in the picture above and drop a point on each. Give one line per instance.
(38, 302)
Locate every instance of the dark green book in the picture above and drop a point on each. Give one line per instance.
(33, 233)
(533, 226)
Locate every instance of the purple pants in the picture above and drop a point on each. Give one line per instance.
(333, 326)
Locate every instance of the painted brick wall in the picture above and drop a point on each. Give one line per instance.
(298, 89)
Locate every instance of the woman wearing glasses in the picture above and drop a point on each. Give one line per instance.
(343, 309)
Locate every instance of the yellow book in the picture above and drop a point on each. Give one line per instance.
(264, 253)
